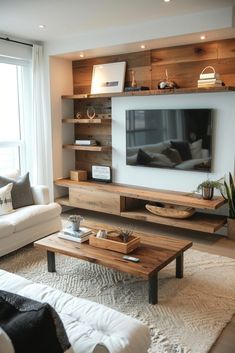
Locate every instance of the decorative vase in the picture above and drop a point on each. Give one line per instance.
(231, 228)
(207, 192)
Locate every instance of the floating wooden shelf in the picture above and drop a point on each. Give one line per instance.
(152, 92)
(87, 121)
(143, 193)
(88, 148)
(201, 222)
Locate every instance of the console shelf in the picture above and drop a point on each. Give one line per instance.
(129, 202)
(88, 148)
(86, 121)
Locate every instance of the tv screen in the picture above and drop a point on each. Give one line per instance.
(169, 138)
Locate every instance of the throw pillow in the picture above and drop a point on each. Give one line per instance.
(173, 155)
(5, 199)
(183, 148)
(159, 159)
(196, 149)
(143, 157)
(21, 191)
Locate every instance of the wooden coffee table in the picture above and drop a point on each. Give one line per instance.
(155, 252)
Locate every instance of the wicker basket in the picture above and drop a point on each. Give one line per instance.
(171, 211)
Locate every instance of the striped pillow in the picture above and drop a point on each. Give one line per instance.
(5, 199)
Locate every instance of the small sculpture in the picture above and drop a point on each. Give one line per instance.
(166, 84)
(75, 221)
(133, 81)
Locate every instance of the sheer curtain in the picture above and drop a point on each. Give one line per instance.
(41, 126)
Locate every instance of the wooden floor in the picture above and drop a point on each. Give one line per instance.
(214, 244)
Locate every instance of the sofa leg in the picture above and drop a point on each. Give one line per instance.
(50, 261)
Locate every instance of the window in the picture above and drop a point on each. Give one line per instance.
(14, 111)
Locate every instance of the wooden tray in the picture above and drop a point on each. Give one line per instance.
(171, 211)
(115, 243)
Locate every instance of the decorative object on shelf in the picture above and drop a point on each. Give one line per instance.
(115, 242)
(78, 175)
(101, 173)
(125, 234)
(171, 211)
(102, 233)
(75, 221)
(166, 84)
(108, 78)
(133, 80)
(78, 115)
(229, 195)
(137, 88)
(209, 78)
(207, 188)
(90, 112)
(85, 142)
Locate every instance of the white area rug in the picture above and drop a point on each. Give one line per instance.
(191, 312)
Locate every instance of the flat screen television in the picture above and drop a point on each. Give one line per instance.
(180, 139)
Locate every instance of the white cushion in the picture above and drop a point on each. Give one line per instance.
(91, 327)
(28, 216)
(5, 199)
(10, 173)
(196, 149)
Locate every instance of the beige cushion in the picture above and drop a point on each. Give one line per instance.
(5, 228)
(29, 216)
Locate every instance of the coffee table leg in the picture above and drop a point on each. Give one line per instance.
(180, 266)
(153, 289)
(50, 261)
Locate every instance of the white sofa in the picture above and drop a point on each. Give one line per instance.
(91, 327)
(29, 223)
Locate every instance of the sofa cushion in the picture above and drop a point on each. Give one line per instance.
(143, 157)
(21, 192)
(183, 148)
(5, 199)
(26, 217)
(5, 228)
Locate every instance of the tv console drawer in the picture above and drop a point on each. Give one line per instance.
(96, 200)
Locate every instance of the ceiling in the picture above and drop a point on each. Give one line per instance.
(64, 19)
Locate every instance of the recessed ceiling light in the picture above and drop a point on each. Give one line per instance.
(142, 46)
(167, 0)
(81, 55)
(203, 37)
(41, 26)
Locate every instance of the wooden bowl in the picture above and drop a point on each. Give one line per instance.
(171, 211)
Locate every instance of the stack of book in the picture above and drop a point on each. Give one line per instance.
(79, 236)
(210, 79)
(86, 142)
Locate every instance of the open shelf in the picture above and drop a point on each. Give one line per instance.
(64, 200)
(87, 121)
(201, 222)
(88, 148)
(152, 92)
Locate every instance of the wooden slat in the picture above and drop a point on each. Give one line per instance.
(165, 196)
(88, 148)
(199, 221)
(87, 121)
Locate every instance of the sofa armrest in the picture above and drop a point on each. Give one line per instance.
(40, 194)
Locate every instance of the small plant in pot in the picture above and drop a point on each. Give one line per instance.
(228, 193)
(207, 188)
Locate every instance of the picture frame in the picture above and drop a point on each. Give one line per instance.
(108, 78)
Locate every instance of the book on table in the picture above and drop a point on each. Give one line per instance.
(79, 236)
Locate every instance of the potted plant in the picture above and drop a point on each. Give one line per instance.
(207, 188)
(229, 194)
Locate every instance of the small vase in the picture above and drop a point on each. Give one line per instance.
(207, 193)
(231, 228)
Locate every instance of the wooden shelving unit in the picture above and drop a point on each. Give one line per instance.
(129, 202)
(86, 121)
(88, 148)
(152, 92)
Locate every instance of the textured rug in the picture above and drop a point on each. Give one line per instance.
(191, 312)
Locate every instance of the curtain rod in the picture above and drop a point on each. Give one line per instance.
(16, 41)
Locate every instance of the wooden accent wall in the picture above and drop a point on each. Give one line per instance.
(184, 64)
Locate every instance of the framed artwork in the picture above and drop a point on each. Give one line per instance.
(108, 78)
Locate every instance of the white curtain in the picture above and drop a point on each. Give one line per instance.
(41, 126)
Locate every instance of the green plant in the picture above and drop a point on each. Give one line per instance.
(229, 194)
(216, 184)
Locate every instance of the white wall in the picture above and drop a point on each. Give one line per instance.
(223, 140)
(61, 83)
